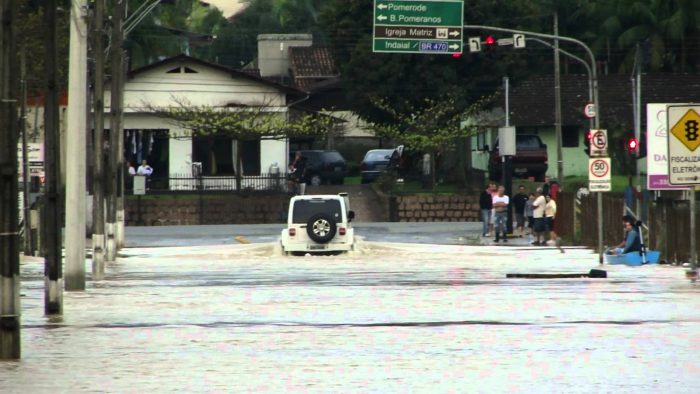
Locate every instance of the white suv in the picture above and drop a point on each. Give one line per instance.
(318, 223)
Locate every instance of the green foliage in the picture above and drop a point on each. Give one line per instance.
(244, 123)
(31, 35)
(434, 125)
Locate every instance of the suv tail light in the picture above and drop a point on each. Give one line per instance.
(292, 232)
(363, 167)
(341, 230)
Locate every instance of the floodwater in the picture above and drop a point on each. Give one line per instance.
(390, 318)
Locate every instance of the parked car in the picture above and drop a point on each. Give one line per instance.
(530, 158)
(318, 223)
(375, 162)
(324, 166)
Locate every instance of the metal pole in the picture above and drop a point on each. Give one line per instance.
(25, 153)
(557, 101)
(508, 163)
(76, 136)
(119, 230)
(53, 294)
(98, 213)
(10, 325)
(638, 128)
(693, 241)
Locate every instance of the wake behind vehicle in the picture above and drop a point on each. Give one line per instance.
(318, 224)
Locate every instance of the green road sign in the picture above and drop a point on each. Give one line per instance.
(418, 26)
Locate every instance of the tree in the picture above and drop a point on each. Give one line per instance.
(433, 127)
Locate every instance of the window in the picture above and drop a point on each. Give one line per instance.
(304, 209)
(570, 136)
(215, 154)
(190, 71)
(250, 155)
(175, 70)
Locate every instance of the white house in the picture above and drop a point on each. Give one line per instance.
(172, 150)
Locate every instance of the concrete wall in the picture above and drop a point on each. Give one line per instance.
(273, 52)
(436, 209)
(190, 210)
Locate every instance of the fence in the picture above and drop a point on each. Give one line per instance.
(668, 223)
(187, 182)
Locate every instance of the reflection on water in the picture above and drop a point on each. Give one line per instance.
(388, 318)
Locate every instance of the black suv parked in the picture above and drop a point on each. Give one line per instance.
(324, 166)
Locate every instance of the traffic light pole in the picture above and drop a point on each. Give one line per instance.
(594, 78)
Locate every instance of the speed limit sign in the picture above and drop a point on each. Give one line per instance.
(599, 174)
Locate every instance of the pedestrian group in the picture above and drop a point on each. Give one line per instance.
(534, 212)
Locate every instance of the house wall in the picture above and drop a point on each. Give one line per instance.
(575, 159)
(208, 87)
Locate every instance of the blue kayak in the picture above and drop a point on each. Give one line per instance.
(633, 258)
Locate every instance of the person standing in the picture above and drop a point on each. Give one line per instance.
(485, 206)
(519, 202)
(538, 215)
(546, 185)
(298, 173)
(500, 207)
(529, 214)
(144, 169)
(550, 211)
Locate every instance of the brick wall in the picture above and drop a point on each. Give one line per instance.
(436, 209)
(188, 210)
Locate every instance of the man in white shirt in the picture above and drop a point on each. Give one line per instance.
(144, 169)
(500, 207)
(538, 214)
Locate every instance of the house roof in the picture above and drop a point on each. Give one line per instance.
(182, 58)
(532, 100)
(311, 65)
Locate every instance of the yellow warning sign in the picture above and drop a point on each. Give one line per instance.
(687, 130)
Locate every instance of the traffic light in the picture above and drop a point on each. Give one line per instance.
(587, 143)
(490, 41)
(632, 145)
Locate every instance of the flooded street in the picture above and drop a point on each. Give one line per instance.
(388, 318)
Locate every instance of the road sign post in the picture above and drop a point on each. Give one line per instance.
(599, 174)
(684, 158)
(418, 26)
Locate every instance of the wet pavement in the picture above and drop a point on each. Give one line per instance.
(214, 315)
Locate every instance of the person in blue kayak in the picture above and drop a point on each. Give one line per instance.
(632, 242)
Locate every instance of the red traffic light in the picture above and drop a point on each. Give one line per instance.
(632, 144)
(490, 40)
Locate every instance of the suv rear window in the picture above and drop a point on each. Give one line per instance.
(305, 209)
(381, 155)
(331, 156)
(528, 142)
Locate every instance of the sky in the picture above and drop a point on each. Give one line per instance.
(228, 7)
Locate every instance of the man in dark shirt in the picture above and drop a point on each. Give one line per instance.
(519, 201)
(632, 242)
(486, 205)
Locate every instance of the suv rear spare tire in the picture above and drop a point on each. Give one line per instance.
(321, 228)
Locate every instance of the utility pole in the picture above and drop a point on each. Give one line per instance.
(98, 206)
(557, 101)
(10, 344)
(76, 141)
(508, 162)
(25, 151)
(638, 127)
(53, 295)
(117, 53)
